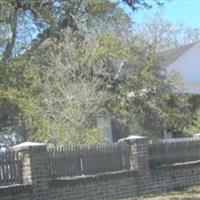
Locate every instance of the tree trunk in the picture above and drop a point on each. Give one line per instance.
(119, 130)
(11, 42)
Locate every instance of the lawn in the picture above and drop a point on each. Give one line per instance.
(192, 193)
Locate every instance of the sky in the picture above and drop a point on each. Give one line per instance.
(185, 11)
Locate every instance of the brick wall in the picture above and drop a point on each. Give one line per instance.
(125, 184)
(17, 192)
(139, 180)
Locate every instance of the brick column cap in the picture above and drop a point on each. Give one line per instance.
(28, 145)
(134, 139)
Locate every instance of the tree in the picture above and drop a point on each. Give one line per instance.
(171, 111)
(72, 94)
(159, 34)
(191, 35)
(146, 101)
(135, 4)
(21, 20)
(39, 110)
(14, 18)
(194, 128)
(19, 100)
(74, 72)
(76, 61)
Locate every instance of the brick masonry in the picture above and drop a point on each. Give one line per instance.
(139, 180)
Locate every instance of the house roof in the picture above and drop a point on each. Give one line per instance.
(171, 55)
(186, 61)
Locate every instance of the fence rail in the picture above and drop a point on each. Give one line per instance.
(87, 160)
(10, 168)
(167, 152)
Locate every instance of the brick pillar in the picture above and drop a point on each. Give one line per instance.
(34, 168)
(139, 161)
(139, 157)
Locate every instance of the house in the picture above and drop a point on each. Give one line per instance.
(186, 61)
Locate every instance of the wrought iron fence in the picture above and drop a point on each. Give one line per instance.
(171, 151)
(10, 168)
(87, 160)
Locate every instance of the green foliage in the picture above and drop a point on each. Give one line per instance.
(99, 8)
(146, 101)
(19, 95)
(83, 66)
(194, 128)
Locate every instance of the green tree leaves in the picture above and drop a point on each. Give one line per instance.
(85, 64)
(194, 128)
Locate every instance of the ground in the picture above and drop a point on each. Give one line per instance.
(192, 193)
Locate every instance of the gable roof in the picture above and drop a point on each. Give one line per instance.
(171, 55)
(186, 61)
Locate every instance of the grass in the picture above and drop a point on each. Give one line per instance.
(192, 193)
